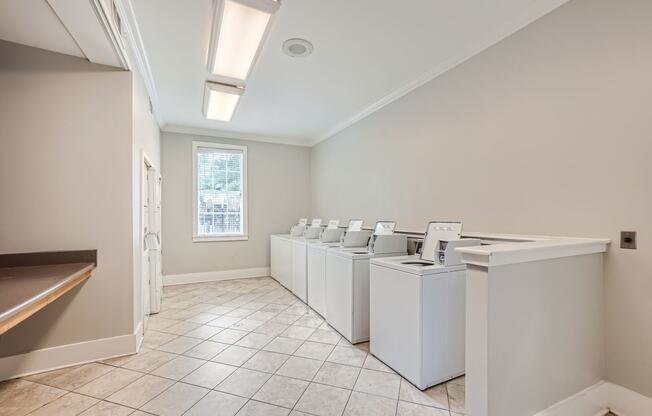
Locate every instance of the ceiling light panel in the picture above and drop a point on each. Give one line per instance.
(220, 101)
(239, 30)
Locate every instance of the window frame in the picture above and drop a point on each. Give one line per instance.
(196, 238)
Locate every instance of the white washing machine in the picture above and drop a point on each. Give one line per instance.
(281, 253)
(347, 282)
(317, 275)
(281, 259)
(300, 259)
(417, 309)
(316, 265)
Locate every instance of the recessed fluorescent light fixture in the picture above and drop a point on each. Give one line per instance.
(239, 29)
(220, 101)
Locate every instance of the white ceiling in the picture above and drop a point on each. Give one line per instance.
(34, 23)
(367, 53)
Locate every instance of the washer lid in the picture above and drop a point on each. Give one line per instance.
(318, 245)
(401, 263)
(351, 252)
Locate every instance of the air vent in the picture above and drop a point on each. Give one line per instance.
(297, 48)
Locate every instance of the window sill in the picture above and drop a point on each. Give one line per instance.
(208, 239)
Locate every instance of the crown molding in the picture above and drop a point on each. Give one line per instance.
(220, 134)
(539, 10)
(135, 42)
(137, 49)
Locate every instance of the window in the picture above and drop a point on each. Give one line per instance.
(220, 192)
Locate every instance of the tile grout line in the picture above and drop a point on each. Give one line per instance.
(248, 399)
(231, 297)
(311, 381)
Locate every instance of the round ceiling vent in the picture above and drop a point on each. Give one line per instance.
(297, 48)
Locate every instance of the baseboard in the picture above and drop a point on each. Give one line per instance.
(599, 399)
(625, 402)
(201, 277)
(593, 401)
(53, 358)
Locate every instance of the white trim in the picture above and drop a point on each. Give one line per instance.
(196, 145)
(139, 334)
(139, 315)
(114, 36)
(626, 402)
(135, 44)
(221, 134)
(67, 355)
(599, 399)
(201, 277)
(591, 401)
(202, 239)
(544, 7)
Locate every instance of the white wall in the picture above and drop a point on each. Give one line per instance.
(547, 132)
(538, 354)
(278, 194)
(65, 183)
(146, 144)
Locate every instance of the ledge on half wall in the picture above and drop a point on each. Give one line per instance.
(214, 276)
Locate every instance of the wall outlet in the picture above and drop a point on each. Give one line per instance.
(628, 240)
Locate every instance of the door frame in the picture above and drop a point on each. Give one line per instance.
(145, 192)
(145, 165)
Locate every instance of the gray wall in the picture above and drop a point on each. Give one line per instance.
(65, 183)
(146, 142)
(278, 181)
(548, 132)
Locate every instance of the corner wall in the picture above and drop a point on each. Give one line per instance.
(65, 183)
(547, 132)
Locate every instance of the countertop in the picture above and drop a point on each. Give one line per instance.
(25, 288)
(503, 249)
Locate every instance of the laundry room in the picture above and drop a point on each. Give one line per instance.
(325, 208)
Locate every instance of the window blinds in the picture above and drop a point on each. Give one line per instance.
(219, 192)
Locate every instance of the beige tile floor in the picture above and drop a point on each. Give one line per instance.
(242, 347)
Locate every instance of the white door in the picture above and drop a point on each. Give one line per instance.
(154, 241)
(151, 238)
(145, 241)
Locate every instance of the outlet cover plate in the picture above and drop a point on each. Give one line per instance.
(628, 240)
